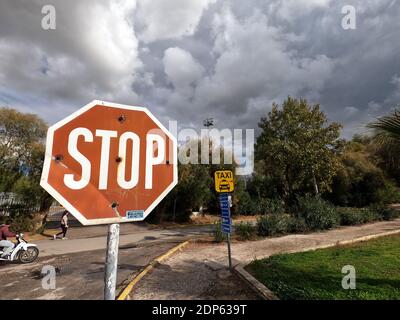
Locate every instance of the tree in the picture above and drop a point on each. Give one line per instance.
(21, 134)
(387, 128)
(195, 188)
(21, 160)
(386, 138)
(360, 182)
(191, 192)
(298, 148)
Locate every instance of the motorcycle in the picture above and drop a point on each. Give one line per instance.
(23, 251)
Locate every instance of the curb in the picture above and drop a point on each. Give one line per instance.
(254, 284)
(344, 242)
(267, 294)
(128, 289)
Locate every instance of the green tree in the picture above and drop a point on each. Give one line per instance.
(21, 136)
(22, 151)
(298, 148)
(192, 191)
(360, 182)
(387, 128)
(386, 142)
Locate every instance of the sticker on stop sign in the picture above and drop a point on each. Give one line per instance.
(109, 163)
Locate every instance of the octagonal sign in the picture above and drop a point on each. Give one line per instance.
(109, 163)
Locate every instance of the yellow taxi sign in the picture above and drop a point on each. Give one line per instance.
(224, 181)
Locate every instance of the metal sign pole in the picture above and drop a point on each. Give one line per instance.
(110, 276)
(226, 222)
(228, 236)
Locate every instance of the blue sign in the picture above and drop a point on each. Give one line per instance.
(226, 229)
(134, 214)
(226, 222)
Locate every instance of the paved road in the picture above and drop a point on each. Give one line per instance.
(80, 262)
(56, 247)
(78, 275)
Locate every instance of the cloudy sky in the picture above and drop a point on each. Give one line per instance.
(189, 60)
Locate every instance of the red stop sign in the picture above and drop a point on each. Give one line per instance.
(109, 163)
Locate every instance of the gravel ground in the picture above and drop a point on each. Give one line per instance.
(185, 276)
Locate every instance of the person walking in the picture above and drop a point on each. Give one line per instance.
(64, 226)
(7, 245)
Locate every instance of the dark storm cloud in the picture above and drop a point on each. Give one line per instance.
(188, 60)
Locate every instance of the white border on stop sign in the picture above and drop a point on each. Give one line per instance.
(48, 157)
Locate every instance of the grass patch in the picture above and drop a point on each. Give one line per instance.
(317, 274)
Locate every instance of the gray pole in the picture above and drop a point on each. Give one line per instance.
(110, 276)
(229, 250)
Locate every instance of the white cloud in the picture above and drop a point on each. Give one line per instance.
(93, 53)
(163, 19)
(350, 111)
(181, 68)
(286, 9)
(254, 60)
(189, 59)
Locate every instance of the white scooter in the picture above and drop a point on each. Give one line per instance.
(23, 252)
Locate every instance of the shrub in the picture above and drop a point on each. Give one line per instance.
(355, 216)
(272, 224)
(349, 216)
(296, 225)
(245, 231)
(23, 218)
(269, 206)
(385, 212)
(219, 236)
(247, 206)
(361, 183)
(390, 214)
(317, 213)
(369, 215)
(274, 206)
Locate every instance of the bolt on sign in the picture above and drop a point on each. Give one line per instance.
(109, 163)
(224, 181)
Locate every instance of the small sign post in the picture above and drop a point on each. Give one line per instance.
(226, 222)
(110, 275)
(224, 184)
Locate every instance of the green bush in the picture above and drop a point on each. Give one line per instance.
(219, 236)
(317, 213)
(349, 216)
(384, 212)
(247, 206)
(369, 215)
(360, 182)
(273, 206)
(353, 216)
(390, 214)
(272, 224)
(296, 225)
(245, 231)
(22, 218)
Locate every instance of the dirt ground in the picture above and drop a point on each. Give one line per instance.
(186, 277)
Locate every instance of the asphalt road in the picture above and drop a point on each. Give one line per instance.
(78, 275)
(56, 247)
(79, 262)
